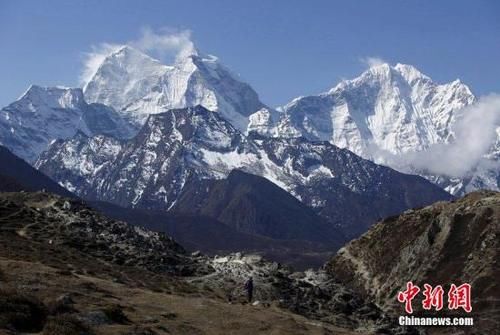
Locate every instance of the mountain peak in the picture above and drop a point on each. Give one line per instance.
(136, 85)
(385, 70)
(130, 59)
(409, 72)
(396, 109)
(57, 97)
(380, 68)
(124, 76)
(129, 53)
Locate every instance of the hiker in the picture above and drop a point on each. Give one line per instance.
(249, 288)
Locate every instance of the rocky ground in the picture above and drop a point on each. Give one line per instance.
(65, 269)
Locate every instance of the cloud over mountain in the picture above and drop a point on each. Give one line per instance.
(164, 43)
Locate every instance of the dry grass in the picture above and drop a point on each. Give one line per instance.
(65, 324)
(143, 311)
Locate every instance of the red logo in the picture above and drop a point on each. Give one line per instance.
(408, 295)
(458, 297)
(433, 297)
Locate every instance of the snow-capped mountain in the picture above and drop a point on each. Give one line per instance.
(137, 85)
(388, 111)
(43, 114)
(391, 108)
(182, 145)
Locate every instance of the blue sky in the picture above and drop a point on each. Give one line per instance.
(282, 48)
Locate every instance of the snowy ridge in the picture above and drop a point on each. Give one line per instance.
(396, 109)
(29, 124)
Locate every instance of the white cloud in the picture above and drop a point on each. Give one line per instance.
(372, 61)
(475, 134)
(165, 44)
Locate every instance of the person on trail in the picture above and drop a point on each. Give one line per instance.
(249, 289)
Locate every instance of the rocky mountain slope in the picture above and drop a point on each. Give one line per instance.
(44, 114)
(444, 243)
(254, 205)
(189, 145)
(65, 268)
(16, 175)
(71, 224)
(137, 85)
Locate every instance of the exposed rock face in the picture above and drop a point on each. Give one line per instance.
(194, 144)
(445, 243)
(81, 157)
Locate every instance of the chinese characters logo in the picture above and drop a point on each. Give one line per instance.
(458, 297)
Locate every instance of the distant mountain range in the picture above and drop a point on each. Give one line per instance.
(190, 146)
(383, 115)
(146, 135)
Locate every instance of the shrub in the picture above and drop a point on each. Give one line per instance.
(56, 307)
(115, 314)
(21, 312)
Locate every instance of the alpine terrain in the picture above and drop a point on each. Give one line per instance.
(159, 193)
(385, 114)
